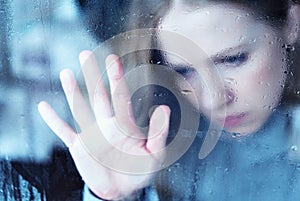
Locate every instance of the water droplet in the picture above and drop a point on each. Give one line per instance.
(288, 47)
(235, 135)
(242, 38)
(298, 167)
(160, 21)
(231, 97)
(270, 108)
(283, 60)
(231, 81)
(186, 91)
(294, 148)
(177, 165)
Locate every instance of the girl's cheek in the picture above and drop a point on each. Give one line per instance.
(268, 82)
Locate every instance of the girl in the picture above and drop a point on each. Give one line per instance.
(248, 44)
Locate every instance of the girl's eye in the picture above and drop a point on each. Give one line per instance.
(234, 60)
(184, 71)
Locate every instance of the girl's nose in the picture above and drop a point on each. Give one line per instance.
(229, 96)
(218, 99)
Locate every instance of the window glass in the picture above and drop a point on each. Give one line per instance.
(203, 94)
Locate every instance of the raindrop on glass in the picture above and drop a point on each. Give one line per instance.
(231, 81)
(186, 91)
(294, 148)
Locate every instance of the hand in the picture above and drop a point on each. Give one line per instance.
(101, 142)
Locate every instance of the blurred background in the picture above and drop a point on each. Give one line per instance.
(38, 40)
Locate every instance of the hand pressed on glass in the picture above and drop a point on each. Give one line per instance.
(99, 128)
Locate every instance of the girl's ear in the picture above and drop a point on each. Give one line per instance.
(292, 27)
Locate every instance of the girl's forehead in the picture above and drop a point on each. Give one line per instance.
(207, 17)
(215, 27)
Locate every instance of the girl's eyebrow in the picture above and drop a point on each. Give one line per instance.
(179, 66)
(227, 51)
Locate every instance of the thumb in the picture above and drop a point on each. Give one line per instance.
(159, 127)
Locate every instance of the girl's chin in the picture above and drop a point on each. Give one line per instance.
(243, 130)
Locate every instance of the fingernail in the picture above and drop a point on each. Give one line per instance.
(41, 105)
(84, 55)
(167, 110)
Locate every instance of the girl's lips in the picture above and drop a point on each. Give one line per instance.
(233, 120)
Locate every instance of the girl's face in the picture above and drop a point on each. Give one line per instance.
(248, 55)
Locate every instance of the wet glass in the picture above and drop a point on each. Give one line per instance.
(40, 38)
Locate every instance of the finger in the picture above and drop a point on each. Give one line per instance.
(119, 90)
(56, 124)
(158, 129)
(95, 85)
(78, 106)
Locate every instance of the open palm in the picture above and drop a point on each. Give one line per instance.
(109, 142)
